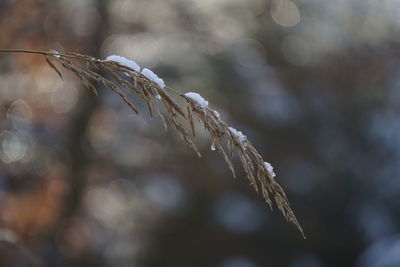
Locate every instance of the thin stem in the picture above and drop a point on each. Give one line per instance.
(26, 51)
(174, 91)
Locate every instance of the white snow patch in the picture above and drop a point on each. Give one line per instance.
(239, 135)
(269, 168)
(153, 77)
(124, 62)
(198, 99)
(56, 53)
(216, 113)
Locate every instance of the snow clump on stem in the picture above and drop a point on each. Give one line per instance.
(198, 99)
(153, 77)
(124, 62)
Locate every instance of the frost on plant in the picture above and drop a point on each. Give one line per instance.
(124, 62)
(153, 77)
(216, 114)
(146, 85)
(238, 134)
(269, 168)
(197, 98)
(56, 53)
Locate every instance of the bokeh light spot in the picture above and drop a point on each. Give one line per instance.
(166, 192)
(64, 99)
(295, 50)
(238, 213)
(238, 262)
(13, 147)
(285, 13)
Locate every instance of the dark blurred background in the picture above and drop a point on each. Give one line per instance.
(314, 84)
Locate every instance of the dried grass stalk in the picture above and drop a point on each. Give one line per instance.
(125, 81)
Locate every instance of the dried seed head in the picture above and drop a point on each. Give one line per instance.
(150, 88)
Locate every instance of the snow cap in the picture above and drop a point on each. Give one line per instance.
(153, 77)
(198, 99)
(124, 62)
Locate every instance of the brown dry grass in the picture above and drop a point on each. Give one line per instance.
(124, 81)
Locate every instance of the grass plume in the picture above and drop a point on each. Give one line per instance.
(125, 81)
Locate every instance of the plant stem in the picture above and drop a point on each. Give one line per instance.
(26, 51)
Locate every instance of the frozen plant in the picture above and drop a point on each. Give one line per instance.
(238, 134)
(198, 99)
(149, 74)
(270, 169)
(147, 86)
(124, 62)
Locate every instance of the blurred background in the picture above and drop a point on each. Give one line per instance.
(315, 85)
